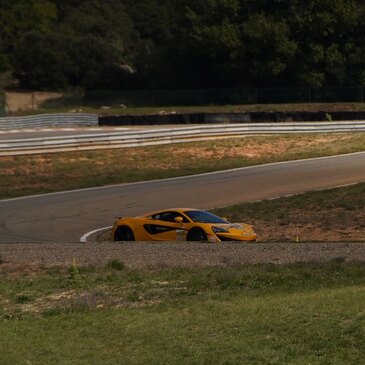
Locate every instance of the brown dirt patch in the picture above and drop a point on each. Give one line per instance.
(256, 149)
(26, 101)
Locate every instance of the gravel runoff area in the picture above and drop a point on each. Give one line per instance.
(164, 255)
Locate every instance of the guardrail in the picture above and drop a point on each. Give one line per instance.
(167, 136)
(50, 121)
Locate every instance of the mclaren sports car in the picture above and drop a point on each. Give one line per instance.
(181, 224)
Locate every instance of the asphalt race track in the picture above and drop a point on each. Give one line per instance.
(66, 216)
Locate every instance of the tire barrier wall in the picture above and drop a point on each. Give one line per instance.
(168, 136)
(202, 118)
(50, 121)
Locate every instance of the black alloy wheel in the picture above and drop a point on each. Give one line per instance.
(196, 234)
(124, 233)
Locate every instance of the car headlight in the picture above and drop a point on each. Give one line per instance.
(220, 230)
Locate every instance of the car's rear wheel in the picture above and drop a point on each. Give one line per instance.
(124, 233)
(196, 234)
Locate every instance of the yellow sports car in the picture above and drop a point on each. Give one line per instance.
(180, 224)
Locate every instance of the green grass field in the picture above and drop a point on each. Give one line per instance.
(263, 314)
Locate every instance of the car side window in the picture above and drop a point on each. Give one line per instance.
(169, 217)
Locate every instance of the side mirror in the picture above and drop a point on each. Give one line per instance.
(178, 219)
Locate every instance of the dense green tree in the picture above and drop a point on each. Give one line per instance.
(122, 44)
(54, 44)
(330, 41)
(18, 17)
(269, 50)
(40, 61)
(214, 41)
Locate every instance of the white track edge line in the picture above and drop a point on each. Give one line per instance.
(88, 234)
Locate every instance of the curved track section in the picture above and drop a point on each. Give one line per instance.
(66, 216)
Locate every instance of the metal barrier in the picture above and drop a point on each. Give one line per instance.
(168, 136)
(50, 121)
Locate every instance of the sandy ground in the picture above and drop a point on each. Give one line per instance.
(26, 101)
(15, 257)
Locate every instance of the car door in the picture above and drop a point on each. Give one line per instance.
(163, 227)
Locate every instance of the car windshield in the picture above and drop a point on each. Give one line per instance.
(204, 217)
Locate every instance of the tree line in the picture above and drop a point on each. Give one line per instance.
(182, 44)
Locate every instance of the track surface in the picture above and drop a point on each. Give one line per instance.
(67, 216)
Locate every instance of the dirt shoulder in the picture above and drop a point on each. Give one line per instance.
(30, 256)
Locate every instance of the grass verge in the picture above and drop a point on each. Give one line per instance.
(330, 215)
(264, 314)
(25, 175)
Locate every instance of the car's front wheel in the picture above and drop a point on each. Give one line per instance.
(123, 233)
(196, 234)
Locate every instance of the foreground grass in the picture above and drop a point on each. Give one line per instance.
(25, 175)
(296, 314)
